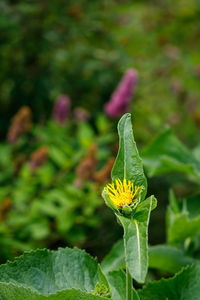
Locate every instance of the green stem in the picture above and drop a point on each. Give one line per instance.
(129, 293)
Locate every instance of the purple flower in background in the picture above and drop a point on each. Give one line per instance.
(61, 109)
(81, 114)
(120, 99)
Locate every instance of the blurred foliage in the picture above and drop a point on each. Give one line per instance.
(51, 181)
(161, 40)
(51, 48)
(81, 48)
(166, 154)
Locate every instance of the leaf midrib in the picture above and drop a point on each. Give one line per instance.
(138, 243)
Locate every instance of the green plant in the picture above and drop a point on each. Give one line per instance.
(134, 217)
(72, 274)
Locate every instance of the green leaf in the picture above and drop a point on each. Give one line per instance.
(183, 286)
(47, 272)
(168, 258)
(142, 206)
(103, 281)
(182, 228)
(58, 156)
(173, 203)
(196, 152)
(9, 291)
(179, 224)
(193, 206)
(136, 242)
(135, 295)
(115, 258)
(85, 134)
(128, 163)
(117, 281)
(167, 154)
(161, 257)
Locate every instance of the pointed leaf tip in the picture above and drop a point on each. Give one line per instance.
(128, 163)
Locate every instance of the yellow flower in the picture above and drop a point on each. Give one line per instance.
(122, 193)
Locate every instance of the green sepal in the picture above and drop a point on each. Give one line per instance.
(109, 202)
(127, 210)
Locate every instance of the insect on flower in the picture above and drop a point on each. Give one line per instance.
(123, 193)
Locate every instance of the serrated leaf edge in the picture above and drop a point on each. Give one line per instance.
(26, 253)
(168, 279)
(46, 296)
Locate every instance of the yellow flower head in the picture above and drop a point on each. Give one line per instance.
(122, 193)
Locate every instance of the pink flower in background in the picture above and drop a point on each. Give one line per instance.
(81, 114)
(121, 98)
(61, 109)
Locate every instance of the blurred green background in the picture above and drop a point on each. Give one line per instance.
(51, 174)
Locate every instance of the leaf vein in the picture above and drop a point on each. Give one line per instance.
(138, 244)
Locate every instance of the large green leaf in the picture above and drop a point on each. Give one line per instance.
(9, 291)
(169, 259)
(48, 272)
(128, 163)
(179, 224)
(183, 286)
(136, 241)
(166, 154)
